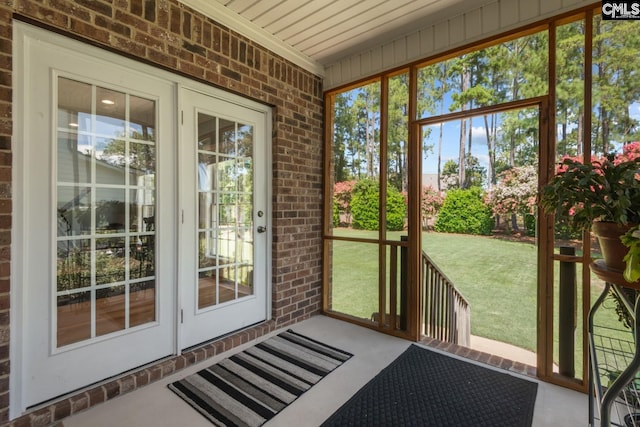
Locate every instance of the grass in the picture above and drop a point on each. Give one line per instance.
(355, 278)
(497, 277)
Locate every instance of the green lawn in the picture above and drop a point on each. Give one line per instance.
(497, 277)
(355, 278)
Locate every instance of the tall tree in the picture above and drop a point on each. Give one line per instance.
(432, 88)
(616, 61)
(398, 132)
(569, 50)
(366, 109)
(343, 125)
(470, 69)
(460, 79)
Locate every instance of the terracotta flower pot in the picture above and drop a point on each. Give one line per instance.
(613, 251)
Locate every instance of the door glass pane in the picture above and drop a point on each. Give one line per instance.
(110, 309)
(142, 120)
(227, 135)
(74, 317)
(74, 210)
(110, 113)
(74, 264)
(142, 206)
(105, 209)
(225, 210)
(74, 157)
(142, 308)
(110, 210)
(142, 161)
(109, 255)
(110, 159)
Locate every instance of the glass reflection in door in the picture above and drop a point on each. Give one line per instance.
(225, 198)
(105, 208)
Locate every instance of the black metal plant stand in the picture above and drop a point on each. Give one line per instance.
(618, 358)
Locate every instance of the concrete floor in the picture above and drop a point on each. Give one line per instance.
(155, 405)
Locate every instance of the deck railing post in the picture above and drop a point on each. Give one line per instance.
(404, 258)
(567, 314)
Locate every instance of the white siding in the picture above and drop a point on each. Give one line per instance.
(529, 10)
(388, 50)
(457, 30)
(427, 40)
(550, 7)
(441, 31)
(413, 46)
(473, 24)
(493, 18)
(509, 13)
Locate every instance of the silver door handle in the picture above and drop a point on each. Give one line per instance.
(262, 229)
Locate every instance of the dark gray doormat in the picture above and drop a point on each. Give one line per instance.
(251, 387)
(425, 388)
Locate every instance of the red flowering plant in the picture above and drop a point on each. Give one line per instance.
(431, 202)
(632, 238)
(342, 194)
(606, 189)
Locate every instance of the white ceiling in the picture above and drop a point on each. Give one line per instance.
(316, 33)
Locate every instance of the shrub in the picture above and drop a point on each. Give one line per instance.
(515, 191)
(465, 212)
(336, 214)
(365, 204)
(530, 224)
(396, 210)
(564, 231)
(432, 201)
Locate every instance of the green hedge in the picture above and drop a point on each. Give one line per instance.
(365, 207)
(530, 224)
(336, 214)
(465, 212)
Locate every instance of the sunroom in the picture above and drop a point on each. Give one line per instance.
(183, 179)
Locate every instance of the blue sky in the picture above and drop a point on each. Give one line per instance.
(451, 144)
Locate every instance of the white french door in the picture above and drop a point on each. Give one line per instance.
(224, 198)
(142, 213)
(95, 257)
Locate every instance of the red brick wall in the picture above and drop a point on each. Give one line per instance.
(171, 35)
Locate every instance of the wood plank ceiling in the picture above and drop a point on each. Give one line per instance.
(328, 30)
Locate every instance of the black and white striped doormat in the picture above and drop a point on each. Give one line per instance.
(251, 387)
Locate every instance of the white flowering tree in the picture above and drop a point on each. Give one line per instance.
(514, 193)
